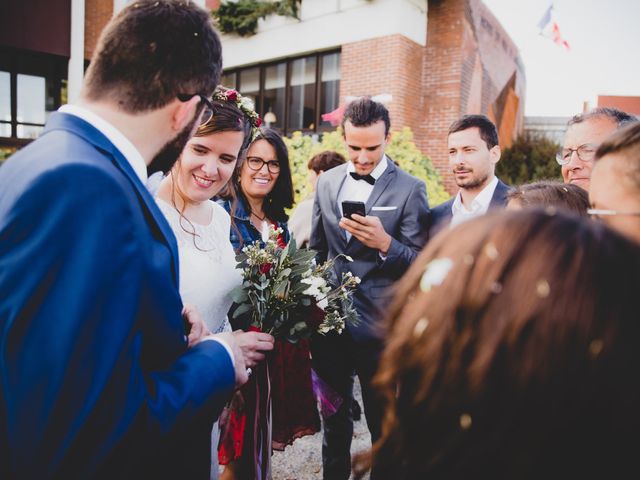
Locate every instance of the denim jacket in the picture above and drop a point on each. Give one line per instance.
(248, 232)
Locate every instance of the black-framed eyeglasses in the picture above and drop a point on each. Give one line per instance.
(207, 111)
(599, 212)
(256, 163)
(586, 153)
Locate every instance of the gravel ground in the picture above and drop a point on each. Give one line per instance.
(303, 459)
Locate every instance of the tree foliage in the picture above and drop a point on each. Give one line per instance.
(242, 17)
(401, 149)
(530, 158)
(6, 152)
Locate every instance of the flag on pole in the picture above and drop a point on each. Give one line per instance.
(549, 28)
(557, 37)
(546, 18)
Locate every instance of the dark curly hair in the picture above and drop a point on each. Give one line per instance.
(364, 111)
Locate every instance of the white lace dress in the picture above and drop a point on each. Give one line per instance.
(207, 274)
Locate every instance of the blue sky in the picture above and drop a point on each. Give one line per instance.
(604, 60)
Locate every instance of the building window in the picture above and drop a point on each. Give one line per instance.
(275, 94)
(31, 105)
(5, 104)
(291, 94)
(302, 99)
(228, 80)
(250, 84)
(329, 85)
(31, 87)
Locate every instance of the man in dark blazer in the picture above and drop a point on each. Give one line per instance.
(97, 377)
(473, 154)
(381, 244)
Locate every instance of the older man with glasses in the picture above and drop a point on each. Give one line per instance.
(585, 132)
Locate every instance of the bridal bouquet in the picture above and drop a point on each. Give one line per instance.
(287, 295)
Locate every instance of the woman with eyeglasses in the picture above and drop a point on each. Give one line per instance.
(277, 405)
(207, 260)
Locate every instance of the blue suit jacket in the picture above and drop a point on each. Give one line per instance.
(97, 380)
(442, 214)
(400, 201)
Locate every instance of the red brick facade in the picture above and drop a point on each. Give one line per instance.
(385, 65)
(97, 15)
(469, 65)
(626, 104)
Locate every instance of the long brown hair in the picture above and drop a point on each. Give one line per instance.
(519, 360)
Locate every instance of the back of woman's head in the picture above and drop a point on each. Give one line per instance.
(326, 160)
(546, 193)
(513, 352)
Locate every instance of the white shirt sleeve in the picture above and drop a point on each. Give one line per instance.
(225, 345)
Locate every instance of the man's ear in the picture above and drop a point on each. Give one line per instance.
(495, 153)
(183, 113)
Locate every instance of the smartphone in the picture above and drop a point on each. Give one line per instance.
(349, 208)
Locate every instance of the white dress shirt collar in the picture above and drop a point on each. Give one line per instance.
(376, 173)
(117, 138)
(479, 205)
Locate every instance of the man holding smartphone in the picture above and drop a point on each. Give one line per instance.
(377, 214)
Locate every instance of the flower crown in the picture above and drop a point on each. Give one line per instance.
(245, 105)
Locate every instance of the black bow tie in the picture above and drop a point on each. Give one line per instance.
(367, 178)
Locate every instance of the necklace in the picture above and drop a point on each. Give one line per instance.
(259, 217)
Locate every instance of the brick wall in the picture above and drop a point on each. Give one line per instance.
(97, 15)
(441, 79)
(469, 64)
(389, 64)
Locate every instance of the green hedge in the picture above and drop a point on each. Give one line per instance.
(6, 152)
(401, 149)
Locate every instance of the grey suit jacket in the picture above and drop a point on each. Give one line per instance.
(400, 201)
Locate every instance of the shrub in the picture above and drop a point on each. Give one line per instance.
(530, 158)
(6, 152)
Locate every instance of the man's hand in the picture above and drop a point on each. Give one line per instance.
(368, 230)
(198, 328)
(242, 375)
(253, 344)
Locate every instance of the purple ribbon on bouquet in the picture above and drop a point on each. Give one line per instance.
(330, 401)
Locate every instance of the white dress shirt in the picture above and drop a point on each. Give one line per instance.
(479, 205)
(131, 154)
(359, 190)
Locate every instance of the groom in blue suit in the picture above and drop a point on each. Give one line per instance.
(97, 379)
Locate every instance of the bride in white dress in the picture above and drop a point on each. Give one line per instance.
(207, 261)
